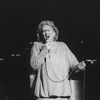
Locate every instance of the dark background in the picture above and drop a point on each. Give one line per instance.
(78, 22)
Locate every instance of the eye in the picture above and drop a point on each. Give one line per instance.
(48, 30)
(43, 31)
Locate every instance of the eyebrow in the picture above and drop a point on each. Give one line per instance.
(46, 30)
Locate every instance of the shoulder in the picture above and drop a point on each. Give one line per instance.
(62, 44)
(36, 43)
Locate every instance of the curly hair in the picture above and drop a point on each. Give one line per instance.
(49, 23)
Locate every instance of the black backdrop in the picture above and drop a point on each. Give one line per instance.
(79, 26)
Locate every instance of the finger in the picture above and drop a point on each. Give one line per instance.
(83, 63)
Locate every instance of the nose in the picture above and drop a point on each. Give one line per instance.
(46, 32)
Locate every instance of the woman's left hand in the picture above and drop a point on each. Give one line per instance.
(82, 65)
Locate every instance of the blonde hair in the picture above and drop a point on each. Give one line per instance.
(49, 23)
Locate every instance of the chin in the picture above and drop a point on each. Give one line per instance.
(47, 41)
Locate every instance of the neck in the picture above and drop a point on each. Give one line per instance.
(51, 42)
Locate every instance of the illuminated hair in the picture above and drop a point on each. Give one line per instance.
(40, 27)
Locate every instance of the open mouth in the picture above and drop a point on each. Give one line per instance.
(46, 37)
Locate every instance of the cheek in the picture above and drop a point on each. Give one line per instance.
(43, 33)
(54, 34)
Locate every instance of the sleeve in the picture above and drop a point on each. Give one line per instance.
(73, 62)
(37, 57)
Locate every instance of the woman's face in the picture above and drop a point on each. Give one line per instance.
(48, 33)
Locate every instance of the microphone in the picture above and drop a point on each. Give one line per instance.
(91, 61)
(49, 50)
(41, 48)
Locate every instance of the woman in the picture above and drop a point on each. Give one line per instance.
(52, 60)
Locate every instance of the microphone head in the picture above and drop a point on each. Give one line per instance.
(91, 61)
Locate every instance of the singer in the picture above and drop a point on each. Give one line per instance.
(52, 60)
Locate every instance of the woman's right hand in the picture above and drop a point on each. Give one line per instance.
(48, 45)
